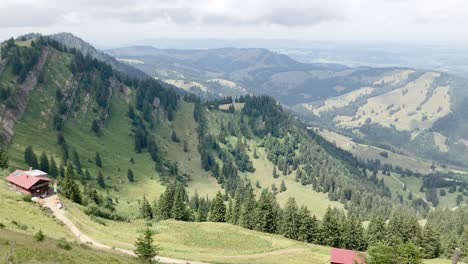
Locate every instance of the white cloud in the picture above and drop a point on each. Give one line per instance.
(109, 21)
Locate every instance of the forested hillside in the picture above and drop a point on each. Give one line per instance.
(126, 148)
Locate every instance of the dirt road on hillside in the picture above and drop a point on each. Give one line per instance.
(51, 202)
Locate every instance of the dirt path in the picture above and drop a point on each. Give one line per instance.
(50, 202)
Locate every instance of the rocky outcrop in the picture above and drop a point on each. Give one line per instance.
(9, 116)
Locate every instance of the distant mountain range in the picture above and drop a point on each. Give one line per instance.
(415, 111)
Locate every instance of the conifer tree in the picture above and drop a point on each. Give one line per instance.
(218, 208)
(145, 248)
(266, 213)
(430, 243)
(178, 210)
(353, 235)
(3, 159)
(146, 211)
(309, 226)
(100, 180)
(283, 186)
(376, 231)
(255, 155)
(76, 161)
(95, 127)
(236, 209)
(229, 210)
(291, 219)
(44, 163)
(69, 188)
(130, 175)
(246, 217)
(53, 171)
(331, 228)
(275, 173)
(30, 157)
(98, 160)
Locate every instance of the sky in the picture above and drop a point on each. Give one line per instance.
(111, 23)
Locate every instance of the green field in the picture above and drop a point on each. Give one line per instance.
(29, 251)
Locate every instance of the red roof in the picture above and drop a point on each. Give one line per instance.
(344, 256)
(22, 179)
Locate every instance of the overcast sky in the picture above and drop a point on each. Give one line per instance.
(116, 22)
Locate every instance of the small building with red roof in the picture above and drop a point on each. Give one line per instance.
(344, 256)
(34, 182)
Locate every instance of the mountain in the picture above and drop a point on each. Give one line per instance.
(415, 112)
(225, 71)
(132, 153)
(73, 42)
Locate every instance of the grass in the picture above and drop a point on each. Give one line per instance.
(28, 251)
(28, 216)
(366, 152)
(210, 242)
(304, 195)
(405, 106)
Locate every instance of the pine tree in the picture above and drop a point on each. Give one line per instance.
(44, 163)
(275, 174)
(76, 161)
(3, 159)
(236, 209)
(229, 209)
(331, 228)
(100, 180)
(218, 209)
(309, 226)
(255, 155)
(98, 160)
(178, 210)
(53, 171)
(145, 248)
(95, 127)
(283, 186)
(166, 201)
(376, 231)
(30, 157)
(353, 235)
(186, 149)
(246, 217)
(146, 211)
(69, 188)
(430, 243)
(130, 175)
(266, 213)
(291, 219)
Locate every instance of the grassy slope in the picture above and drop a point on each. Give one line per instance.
(212, 242)
(29, 251)
(305, 195)
(413, 185)
(13, 208)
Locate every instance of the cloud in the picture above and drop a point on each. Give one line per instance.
(22, 15)
(29, 13)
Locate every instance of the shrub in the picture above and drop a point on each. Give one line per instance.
(94, 210)
(2, 225)
(26, 198)
(63, 244)
(39, 236)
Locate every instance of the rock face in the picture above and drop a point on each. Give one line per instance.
(9, 116)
